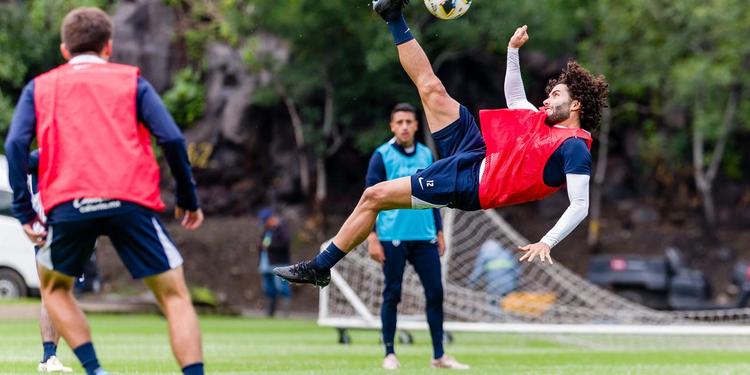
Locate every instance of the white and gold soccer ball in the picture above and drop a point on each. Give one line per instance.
(447, 9)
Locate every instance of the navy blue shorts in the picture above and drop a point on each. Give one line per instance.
(138, 235)
(452, 181)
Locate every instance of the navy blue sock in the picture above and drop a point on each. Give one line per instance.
(194, 369)
(400, 31)
(328, 258)
(50, 349)
(87, 356)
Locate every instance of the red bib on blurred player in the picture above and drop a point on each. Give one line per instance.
(93, 145)
(519, 144)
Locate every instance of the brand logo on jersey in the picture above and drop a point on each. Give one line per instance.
(428, 183)
(86, 205)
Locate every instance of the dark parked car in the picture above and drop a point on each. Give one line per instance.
(664, 282)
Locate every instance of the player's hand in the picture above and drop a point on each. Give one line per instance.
(441, 243)
(375, 249)
(36, 237)
(519, 38)
(191, 220)
(539, 249)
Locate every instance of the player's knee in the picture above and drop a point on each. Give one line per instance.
(432, 89)
(393, 298)
(53, 281)
(374, 196)
(434, 297)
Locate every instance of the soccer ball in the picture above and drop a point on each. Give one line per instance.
(447, 9)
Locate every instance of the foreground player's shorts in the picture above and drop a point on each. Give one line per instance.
(139, 236)
(452, 181)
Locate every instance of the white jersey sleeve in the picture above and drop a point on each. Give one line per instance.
(578, 194)
(515, 95)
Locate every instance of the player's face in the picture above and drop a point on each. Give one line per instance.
(404, 126)
(558, 105)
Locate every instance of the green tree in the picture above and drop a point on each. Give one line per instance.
(29, 45)
(682, 69)
(186, 99)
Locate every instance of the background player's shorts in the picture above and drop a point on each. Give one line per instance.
(139, 236)
(453, 180)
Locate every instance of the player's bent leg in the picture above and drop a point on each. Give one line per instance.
(386, 195)
(440, 108)
(174, 300)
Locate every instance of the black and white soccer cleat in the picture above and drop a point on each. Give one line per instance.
(304, 273)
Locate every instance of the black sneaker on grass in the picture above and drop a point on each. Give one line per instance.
(304, 273)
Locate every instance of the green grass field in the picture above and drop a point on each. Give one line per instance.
(137, 344)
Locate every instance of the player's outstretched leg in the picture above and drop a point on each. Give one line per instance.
(440, 108)
(386, 195)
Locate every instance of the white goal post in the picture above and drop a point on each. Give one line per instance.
(547, 300)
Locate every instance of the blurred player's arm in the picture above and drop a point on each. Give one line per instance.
(154, 115)
(375, 174)
(21, 133)
(515, 95)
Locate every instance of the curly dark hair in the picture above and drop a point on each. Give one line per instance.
(590, 90)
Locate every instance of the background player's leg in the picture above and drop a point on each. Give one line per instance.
(48, 332)
(440, 108)
(393, 270)
(174, 300)
(57, 293)
(426, 261)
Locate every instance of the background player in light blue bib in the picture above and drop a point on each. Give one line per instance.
(407, 235)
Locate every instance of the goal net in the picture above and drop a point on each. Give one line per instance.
(538, 299)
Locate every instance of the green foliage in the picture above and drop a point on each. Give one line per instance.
(29, 45)
(186, 99)
(6, 113)
(671, 64)
(203, 296)
(677, 63)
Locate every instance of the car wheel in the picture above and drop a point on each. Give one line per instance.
(11, 284)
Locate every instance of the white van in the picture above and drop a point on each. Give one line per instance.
(18, 276)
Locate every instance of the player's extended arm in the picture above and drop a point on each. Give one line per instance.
(515, 95)
(375, 173)
(578, 194)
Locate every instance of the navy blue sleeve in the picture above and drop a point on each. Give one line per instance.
(22, 132)
(153, 114)
(375, 170)
(375, 173)
(33, 161)
(576, 157)
(438, 219)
